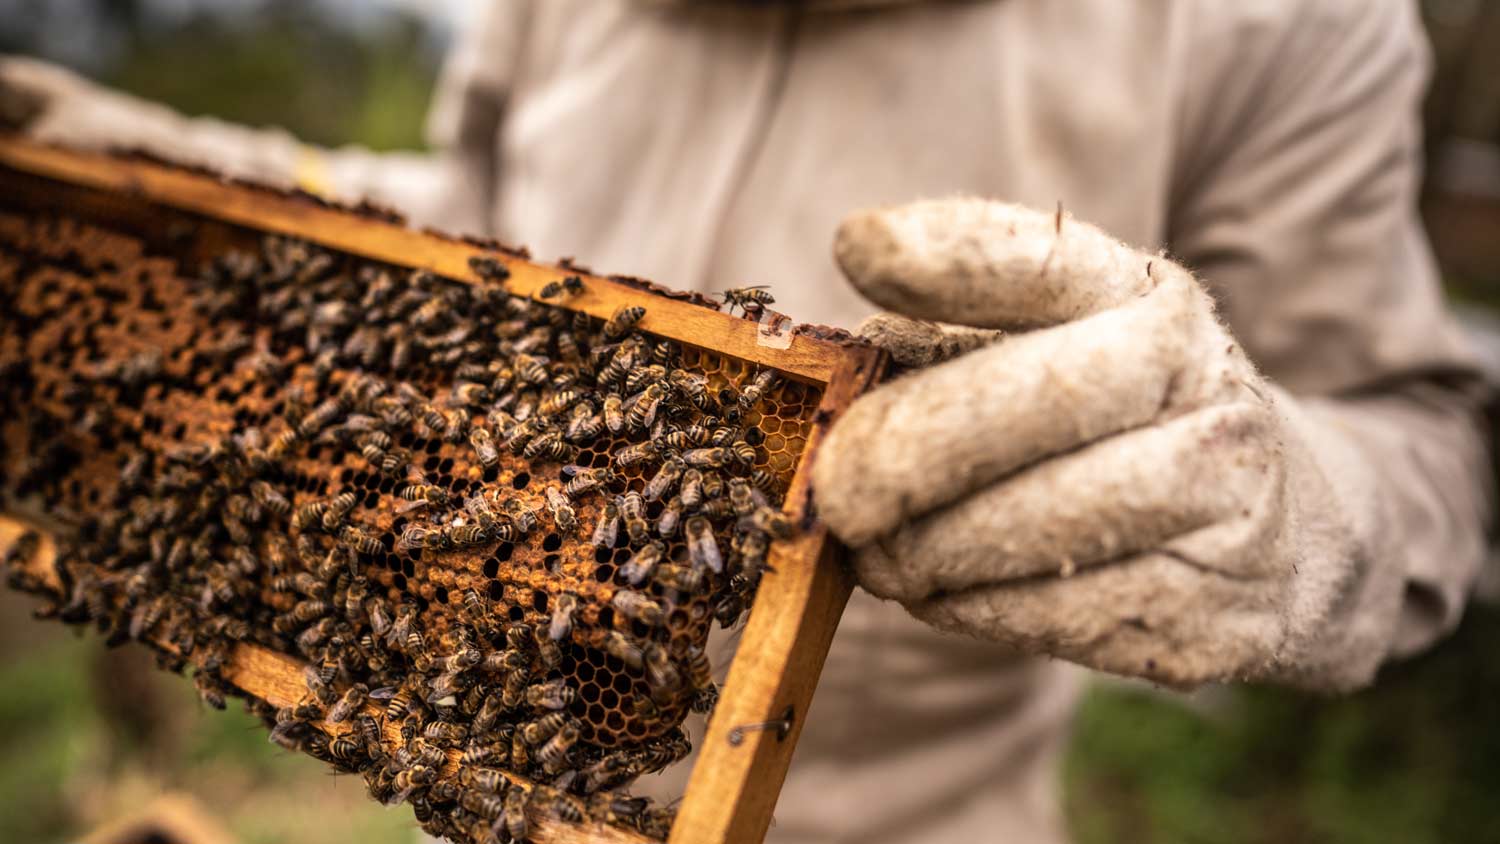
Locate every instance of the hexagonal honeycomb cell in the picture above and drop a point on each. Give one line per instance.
(277, 447)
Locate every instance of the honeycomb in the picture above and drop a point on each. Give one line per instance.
(249, 448)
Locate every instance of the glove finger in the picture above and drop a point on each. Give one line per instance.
(917, 343)
(989, 264)
(934, 435)
(1159, 487)
(1148, 616)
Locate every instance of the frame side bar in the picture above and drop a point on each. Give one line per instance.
(732, 792)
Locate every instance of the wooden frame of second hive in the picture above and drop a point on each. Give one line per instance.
(738, 775)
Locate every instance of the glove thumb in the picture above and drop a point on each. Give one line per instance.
(987, 264)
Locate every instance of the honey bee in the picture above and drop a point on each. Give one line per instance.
(566, 287)
(703, 550)
(692, 387)
(743, 452)
(458, 425)
(587, 480)
(523, 517)
(638, 607)
(632, 511)
(483, 802)
(400, 702)
(770, 521)
(471, 393)
(671, 514)
(513, 690)
(304, 612)
(348, 704)
(664, 480)
(623, 321)
(742, 497)
(662, 677)
(562, 512)
(642, 563)
(614, 413)
(484, 447)
(750, 300)
(211, 689)
(709, 457)
(445, 733)
(561, 623)
(551, 446)
(462, 659)
(692, 488)
(636, 453)
(615, 808)
(517, 823)
(637, 379)
(607, 529)
(414, 538)
(411, 779)
(337, 509)
(348, 750)
(319, 418)
(713, 485)
(436, 422)
(585, 424)
(361, 541)
(424, 493)
(608, 771)
(483, 754)
(529, 369)
(244, 509)
(559, 402)
(468, 535)
(554, 756)
(753, 392)
(419, 750)
(289, 730)
(704, 699)
(392, 411)
(488, 268)
(753, 547)
(522, 434)
(700, 670)
(267, 497)
(537, 731)
(552, 694)
(490, 710)
(643, 407)
(681, 578)
(548, 651)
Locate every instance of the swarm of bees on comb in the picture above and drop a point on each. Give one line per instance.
(496, 531)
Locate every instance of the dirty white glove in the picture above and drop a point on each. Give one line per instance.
(1108, 480)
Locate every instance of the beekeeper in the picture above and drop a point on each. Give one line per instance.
(1241, 447)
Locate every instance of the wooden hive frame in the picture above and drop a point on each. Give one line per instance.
(738, 774)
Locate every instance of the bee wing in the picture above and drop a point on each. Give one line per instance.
(703, 549)
(408, 506)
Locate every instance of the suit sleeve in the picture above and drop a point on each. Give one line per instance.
(1295, 199)
(449, 187)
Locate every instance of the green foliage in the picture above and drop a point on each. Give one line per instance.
(290, 69)
(48, 730)
(1415, 759)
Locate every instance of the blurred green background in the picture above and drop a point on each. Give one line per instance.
(88, 736)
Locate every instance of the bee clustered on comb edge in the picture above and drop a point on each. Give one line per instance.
(495, 527)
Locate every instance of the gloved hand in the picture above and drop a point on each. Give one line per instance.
(1109, 480)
